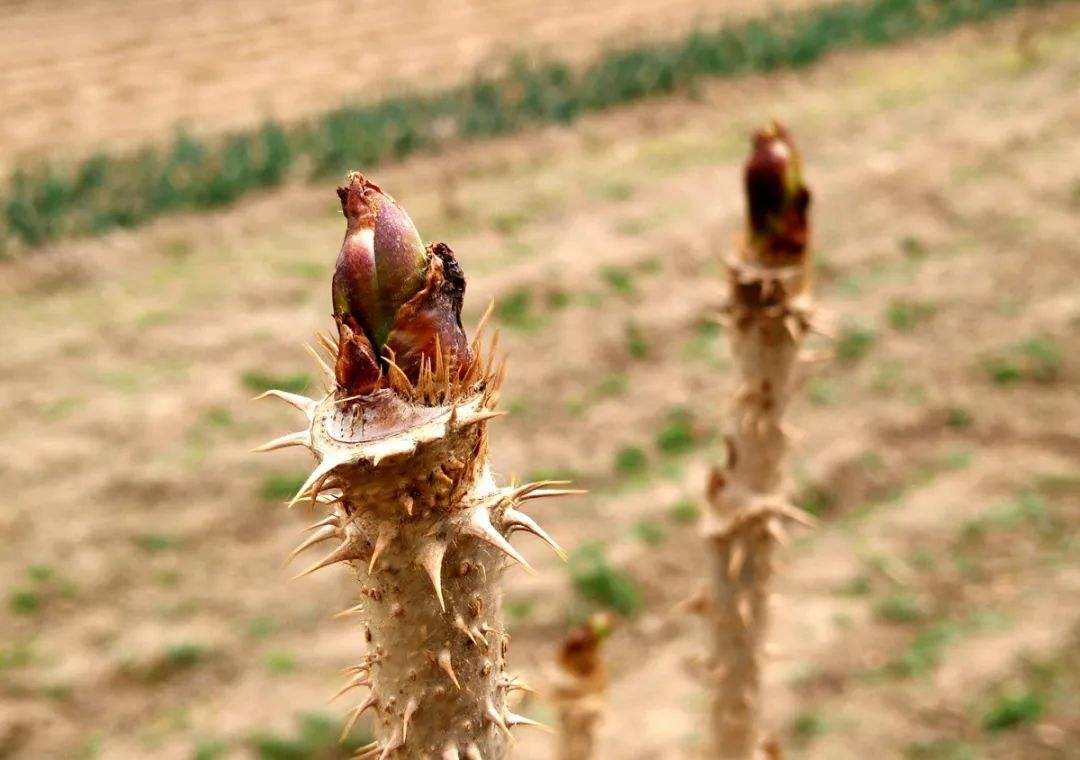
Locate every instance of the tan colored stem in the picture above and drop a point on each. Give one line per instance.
(768, 317)
(578, 720)
(415, 512)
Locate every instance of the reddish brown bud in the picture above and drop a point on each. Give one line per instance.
(430, 323)
(357, 369)
(777, 200)
(580, 651)
(382, 260)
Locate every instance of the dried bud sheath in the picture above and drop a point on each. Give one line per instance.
(768, 315)
(411, 506)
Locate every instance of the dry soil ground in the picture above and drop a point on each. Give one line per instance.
(933, 614)
(75, 77)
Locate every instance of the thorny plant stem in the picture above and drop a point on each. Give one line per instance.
(767, 315)
(578, 690)
(411, 506)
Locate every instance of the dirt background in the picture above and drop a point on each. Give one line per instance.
(146, 611)
(102, 73)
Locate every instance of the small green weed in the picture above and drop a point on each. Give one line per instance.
(637, 345)
(1037, 359)
(906, 315)
(677, 436)
(940, 749)
(316, 738)
(516, 310)
(280, 663)
(807, 725)
(184, 655)
(685, 511)
(619, 279)
(815, 499)
(40, 572)
(649, 533)
(210, 749)
(958, 418)
(595, 580)
(281, 486)
(822, 391)
(262, 627)
(25, 602)
(899, 607)
(259, 382)
(519, 610)
(1011, 710)
(913, 248)
(631, 462)
(854, 343)
(155, 543)
(615, 384)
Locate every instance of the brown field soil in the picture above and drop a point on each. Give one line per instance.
(80, 77)
(146, 611)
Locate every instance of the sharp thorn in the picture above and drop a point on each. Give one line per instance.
(410, 708)
(517, 492)
(343, 553)
(394, 743)
(351, 611)
(360, 680)
(367, 752)
(332, 520)
(299, 438)
(513, 719)
(484, 416)
(325, 497)
(320, 361)
(430, 557)
(459, 623)
(521, 520)
(516, 684)
(745, 611)
(479, 525)
(447, 666)
(548, 493)
(387, 532)
(303, 403)
(354, 715)
(322, 534)
(776, 530)
(495, 716)
(324, 468)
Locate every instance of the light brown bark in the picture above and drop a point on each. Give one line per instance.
(416, 514)
(768, 311)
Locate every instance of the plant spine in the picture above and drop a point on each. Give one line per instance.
(768, 314)
(411, 506)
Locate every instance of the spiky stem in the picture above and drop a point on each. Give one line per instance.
(768, 315)
(413, 509)
(578, 690)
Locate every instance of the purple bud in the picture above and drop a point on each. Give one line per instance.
(777, 199)
(382, 262)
